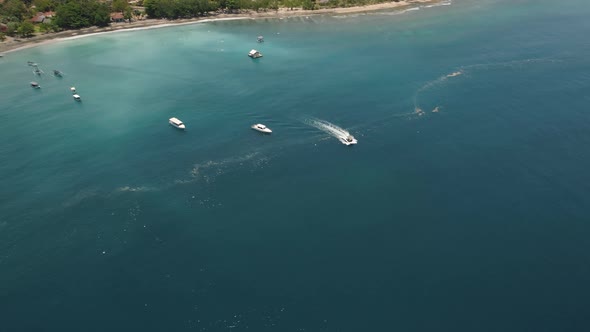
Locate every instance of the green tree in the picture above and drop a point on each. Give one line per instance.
(151, 8)
(128, 14)
(233, 5)
(308, 4)
(102, 15)
(70, 16)
(16, 9)
(120, 5)
(12, 28)
(26, 29)
(44, 5)
(2, 37)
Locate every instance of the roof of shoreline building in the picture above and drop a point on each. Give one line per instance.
(117, 16)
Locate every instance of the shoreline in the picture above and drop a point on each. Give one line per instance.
(14, 45)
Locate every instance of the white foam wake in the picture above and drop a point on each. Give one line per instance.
(327, 127)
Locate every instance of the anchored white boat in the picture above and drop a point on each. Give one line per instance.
(35, 85)
(77, 97)
(176, 123)
(347, 140)
(73, 89)
(254, 54)
(261, 128)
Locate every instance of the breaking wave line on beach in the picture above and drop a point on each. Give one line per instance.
(412, 9)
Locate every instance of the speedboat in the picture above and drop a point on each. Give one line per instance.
(347, 140)
(35, 85)
(261, 128)
(254, 54)
(176, 123)
(77, 97)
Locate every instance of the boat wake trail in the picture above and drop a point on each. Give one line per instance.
(471, 69)
(327, 127)
(429, 85)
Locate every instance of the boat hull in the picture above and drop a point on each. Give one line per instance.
(347, 143)
(264, 131)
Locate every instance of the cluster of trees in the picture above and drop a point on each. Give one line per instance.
(174, 9)
(75, 14)
(15, 15)
(82, 13)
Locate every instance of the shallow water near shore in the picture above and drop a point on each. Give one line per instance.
(464, 206)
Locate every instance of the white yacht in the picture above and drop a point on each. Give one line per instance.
(254, 54)
(77, 97)
(176, 123)
(35, 85)
(261, 128)
(347, 140)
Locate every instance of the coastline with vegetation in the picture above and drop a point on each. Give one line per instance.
(135, 18)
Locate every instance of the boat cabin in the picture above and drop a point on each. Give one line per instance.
(254, 54)
(176, 123)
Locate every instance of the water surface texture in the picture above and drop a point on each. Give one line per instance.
(465, 205)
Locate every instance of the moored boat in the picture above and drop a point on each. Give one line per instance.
(35, 85)
(261, 128)
(176, 123)
(77, 97)
(254, 54)
(57, 73)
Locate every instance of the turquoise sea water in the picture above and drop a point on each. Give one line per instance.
(475, 217)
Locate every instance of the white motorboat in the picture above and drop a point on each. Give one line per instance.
(176, 123)
(77, 97)
(254, 54)
(261, 128)
(347, 140)
(35, 85)
(73, 89)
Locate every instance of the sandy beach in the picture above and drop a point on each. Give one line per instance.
(15, 44)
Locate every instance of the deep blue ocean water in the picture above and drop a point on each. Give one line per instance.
(464, 207)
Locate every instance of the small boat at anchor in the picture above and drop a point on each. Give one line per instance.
(35, 85)
(57, 73)
(77, 97)
(260, 39)
(348, 140)
(261, 128)
(254, 54)
(176, 123)
(73, 89)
